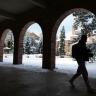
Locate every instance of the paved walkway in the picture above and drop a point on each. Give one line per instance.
(20, 82)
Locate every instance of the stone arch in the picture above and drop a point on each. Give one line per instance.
(55, 28)
(4, 33)
(22, 33)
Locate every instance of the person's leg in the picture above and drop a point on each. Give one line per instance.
(85, 77)
(78, 73)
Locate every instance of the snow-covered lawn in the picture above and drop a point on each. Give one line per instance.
(69, 66)
(34, 62)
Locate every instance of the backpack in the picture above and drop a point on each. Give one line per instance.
(80, 54)
(74, 50)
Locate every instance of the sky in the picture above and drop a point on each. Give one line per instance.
(35, 28)
(67, 23)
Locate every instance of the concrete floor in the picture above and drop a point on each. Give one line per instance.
(20, 82)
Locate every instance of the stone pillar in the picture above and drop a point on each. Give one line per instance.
(1, 52)
(17, 56)
(47, 52)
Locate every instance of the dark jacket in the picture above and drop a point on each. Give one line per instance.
(80, 52)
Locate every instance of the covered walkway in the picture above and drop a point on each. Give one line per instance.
(21, 82)
(18, 15)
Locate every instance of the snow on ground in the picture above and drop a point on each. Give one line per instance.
(34, 62)
(69, 66)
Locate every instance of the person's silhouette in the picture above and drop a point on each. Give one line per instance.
(81, 54)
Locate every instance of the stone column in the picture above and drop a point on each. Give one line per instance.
(18, 46)
(1, 52)
(47, 52)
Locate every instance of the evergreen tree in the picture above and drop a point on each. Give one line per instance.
(27, 46)
(41, 44)
(40, 47)
(62, 42)
(10, 44)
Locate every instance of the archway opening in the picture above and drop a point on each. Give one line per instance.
(76, 23)
(32, 46)
(8, 46)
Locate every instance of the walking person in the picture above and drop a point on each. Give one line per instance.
(81, 54)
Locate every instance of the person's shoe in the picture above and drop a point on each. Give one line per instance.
(71, 82)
